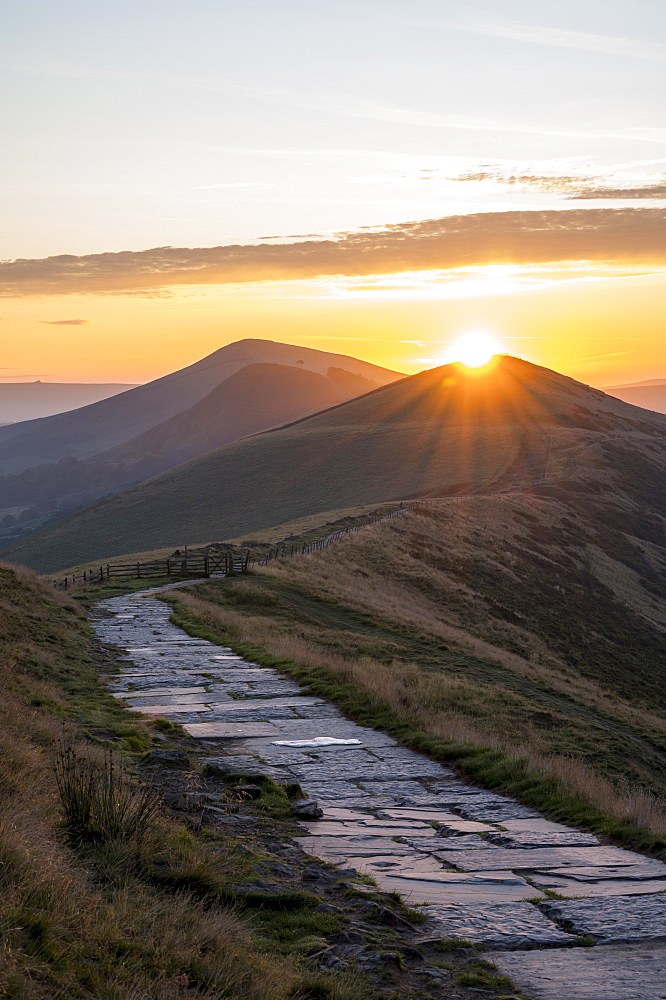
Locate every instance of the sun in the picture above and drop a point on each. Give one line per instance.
(474, 349)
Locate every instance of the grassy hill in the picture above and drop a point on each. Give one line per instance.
(104, 424)
(521, 636)
(444, 431)
(253, 399)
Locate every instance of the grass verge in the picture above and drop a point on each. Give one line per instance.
(359, 667)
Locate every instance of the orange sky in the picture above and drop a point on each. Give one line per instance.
(601, 331)
(446, 165)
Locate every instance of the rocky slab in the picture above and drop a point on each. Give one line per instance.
(538, 858)
(496, 925)
(628, 972)
(619, 919)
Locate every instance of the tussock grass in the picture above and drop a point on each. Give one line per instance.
(99, 799)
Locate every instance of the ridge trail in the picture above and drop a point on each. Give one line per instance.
(481, 866)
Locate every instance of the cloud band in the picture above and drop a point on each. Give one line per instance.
(627, 235)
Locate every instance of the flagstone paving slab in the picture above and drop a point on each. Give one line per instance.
(461, 853)
(264, 704)
(528, 838)
(605, 887)
(390, 864)
(537, 858)
(497, 925)
(608, 972)
(428, 815)
(230, 730)
(622, 918)
(418, 891)
(358, 803)
(352, 846)
(645, 868)
(353, 829)
(411, 792)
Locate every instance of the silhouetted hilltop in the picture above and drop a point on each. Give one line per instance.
(102, 425)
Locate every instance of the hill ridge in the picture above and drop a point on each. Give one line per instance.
(102, 425)
(443, 431)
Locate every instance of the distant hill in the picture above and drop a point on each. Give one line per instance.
(109, 422)
(253, 399)
(30, 400)
(443, 431)
(651, 394)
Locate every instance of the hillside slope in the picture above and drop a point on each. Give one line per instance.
(31, 400)
(103, 425)
(521, 636)
(255, 398)
(440, 432)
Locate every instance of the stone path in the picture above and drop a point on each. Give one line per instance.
(480, 865)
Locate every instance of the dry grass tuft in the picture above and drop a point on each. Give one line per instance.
(99, 799)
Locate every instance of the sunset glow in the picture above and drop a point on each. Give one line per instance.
(161, 202)
(474, 349)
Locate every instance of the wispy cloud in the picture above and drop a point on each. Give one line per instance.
(657, 191)
(571, 186)
(235, 184)
(376, 111)
(560, 38)
(627, 235)
(63, 322)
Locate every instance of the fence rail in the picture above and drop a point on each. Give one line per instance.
(190, 564)
(213, 563)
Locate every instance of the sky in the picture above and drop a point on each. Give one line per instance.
(376, 178)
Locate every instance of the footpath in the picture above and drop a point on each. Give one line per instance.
(567, 917)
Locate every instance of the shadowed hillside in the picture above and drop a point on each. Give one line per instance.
(103, 425)
(253, 399)
(444, 431)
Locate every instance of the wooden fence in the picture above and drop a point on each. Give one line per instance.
(210, 562)
(186, 566)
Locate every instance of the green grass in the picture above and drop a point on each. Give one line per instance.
(483, 975)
